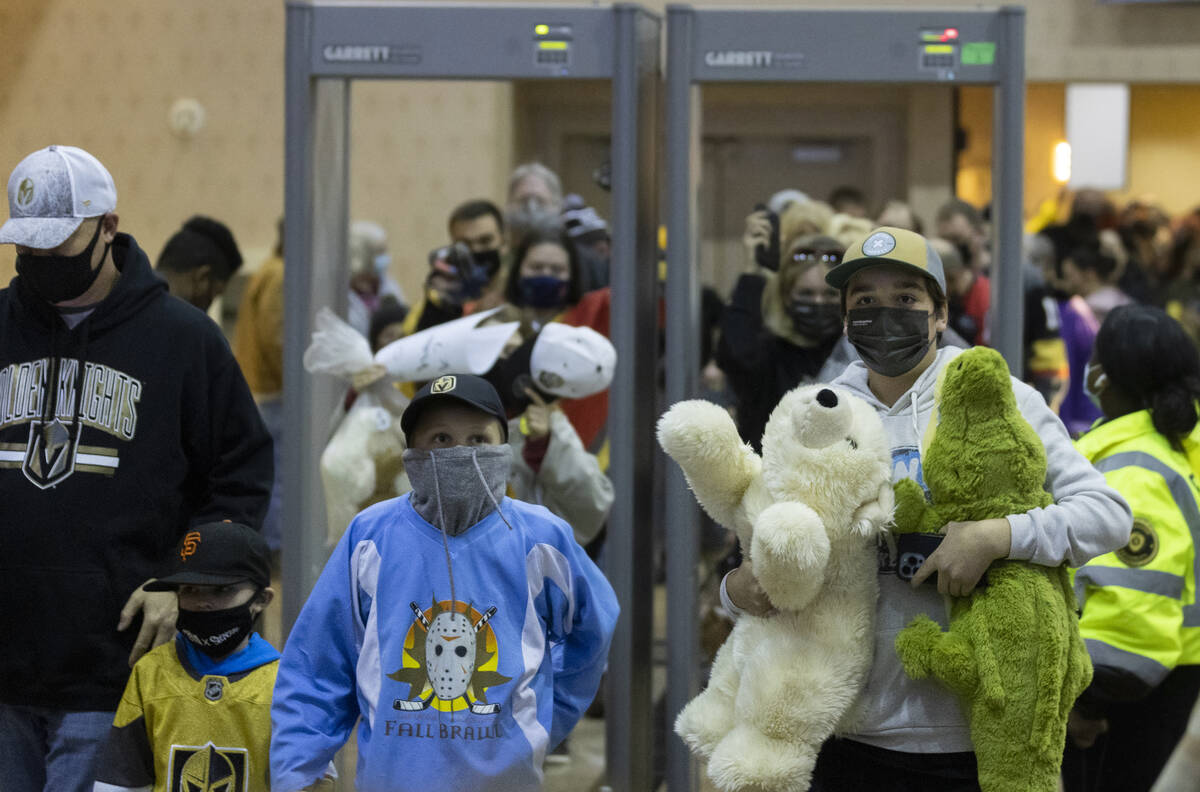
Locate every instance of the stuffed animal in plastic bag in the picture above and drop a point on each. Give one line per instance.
(1013, 652)
(808, 514)
(361, 463)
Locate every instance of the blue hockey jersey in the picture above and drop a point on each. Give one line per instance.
(455, 693)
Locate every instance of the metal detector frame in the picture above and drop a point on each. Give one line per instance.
(807, 45)
(329, 44)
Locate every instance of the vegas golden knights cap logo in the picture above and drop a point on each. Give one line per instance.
(206, 769)
(444, 384)
(49, 454)
(25, 192)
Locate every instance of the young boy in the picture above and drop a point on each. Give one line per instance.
(913, 734)
(435, 619)
(196, 711)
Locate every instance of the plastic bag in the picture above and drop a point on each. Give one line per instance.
(336, 348)
(362, 463)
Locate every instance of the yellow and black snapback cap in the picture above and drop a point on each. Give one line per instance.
(888, 245)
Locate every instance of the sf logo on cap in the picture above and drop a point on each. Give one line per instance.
(25, 192)
(879, 244)
(190, 543)
(444, 384)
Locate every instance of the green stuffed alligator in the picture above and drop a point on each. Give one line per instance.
(1013, 652)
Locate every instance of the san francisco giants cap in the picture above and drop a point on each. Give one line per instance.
(888, 245)
(217, 554)
(51, 192)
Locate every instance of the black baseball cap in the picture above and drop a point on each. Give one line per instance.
(217, 554)
(466, 388)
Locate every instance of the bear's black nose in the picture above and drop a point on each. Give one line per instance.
(827, 398)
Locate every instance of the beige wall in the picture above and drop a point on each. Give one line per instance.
(1164, 125)
(103, 74)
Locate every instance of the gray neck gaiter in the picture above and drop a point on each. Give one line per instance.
(454, 488)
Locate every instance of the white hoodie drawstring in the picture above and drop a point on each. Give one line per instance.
(916, 424)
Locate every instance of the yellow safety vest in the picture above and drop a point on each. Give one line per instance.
(1140, 612)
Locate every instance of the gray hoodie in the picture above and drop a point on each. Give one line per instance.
(1086, 519)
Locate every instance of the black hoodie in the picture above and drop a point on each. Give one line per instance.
(168, 436)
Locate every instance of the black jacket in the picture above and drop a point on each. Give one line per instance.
(168, 436)
(760, 365)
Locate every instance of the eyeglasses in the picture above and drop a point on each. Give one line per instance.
(828, 257)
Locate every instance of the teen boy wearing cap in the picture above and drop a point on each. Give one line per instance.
(913, 734)
(123, 417)
(196, 711)
(435, 620)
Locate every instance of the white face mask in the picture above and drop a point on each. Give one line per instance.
(1093, 394)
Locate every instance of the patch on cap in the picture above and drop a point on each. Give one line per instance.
(879, 244)
(25, 192)
(444, 384)
(550, 380)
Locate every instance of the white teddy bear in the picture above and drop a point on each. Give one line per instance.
(808, 514)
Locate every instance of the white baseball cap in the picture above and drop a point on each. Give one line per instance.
(51, 192)
(572, 362)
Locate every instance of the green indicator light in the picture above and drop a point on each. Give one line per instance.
(541, 30)
(939, 49)
(552, 45)
(979, 53)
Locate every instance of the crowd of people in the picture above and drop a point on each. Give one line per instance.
(460, 627)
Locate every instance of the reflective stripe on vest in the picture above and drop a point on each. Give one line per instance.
(1149, 671)
(1150, 581)
(1185, 501)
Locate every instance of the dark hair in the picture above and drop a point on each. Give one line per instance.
(201, 241)
(1088, 256)
(555, 235)
(846, 194)
(1148, 357)
(473, 210)
(390, 311)
(956, 207)
(1185, 236)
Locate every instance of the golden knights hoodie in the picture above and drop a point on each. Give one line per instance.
(114, 437)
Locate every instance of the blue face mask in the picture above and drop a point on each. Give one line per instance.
(543, 291)
(1093, 394)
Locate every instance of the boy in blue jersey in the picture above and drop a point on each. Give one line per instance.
(196, 711)
(435, 619)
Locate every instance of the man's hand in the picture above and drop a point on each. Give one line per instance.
(535, 423)
(1084, 731)
(965, 554)
(744, 591)
(758, 232)
(159, 609)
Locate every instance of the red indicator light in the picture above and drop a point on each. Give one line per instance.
(950, 33)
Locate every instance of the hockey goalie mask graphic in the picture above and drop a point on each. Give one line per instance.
(450, 660)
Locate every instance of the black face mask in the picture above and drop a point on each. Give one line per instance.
(820, 322)
(216, 633)
(891, 341)
(57, 279)
(489, 260)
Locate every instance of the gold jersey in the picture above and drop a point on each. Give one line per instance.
(177, 730)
